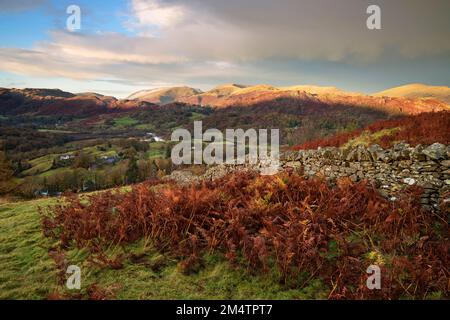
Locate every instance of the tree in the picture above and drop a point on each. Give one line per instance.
(132, 173)
(30, 187)
(82, 160)
(6, 174)
(168, 151)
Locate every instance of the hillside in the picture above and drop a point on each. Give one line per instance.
(241, 237)
(164, 95)
(418, 91)
(53, 102)
(231, 95)
(425, 128)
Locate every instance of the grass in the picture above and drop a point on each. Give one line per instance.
(54, 131)
(125, 122)
(197, 116)
(145, 126)
(157, 150)
(27, 271)
(43, 165)
(40, 165)
(367, 138)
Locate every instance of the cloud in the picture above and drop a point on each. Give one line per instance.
(197, 41)
(309, 29)
(20, 5)
(156, 13)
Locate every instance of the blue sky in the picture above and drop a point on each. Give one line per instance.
(22, 27)
(129, 45)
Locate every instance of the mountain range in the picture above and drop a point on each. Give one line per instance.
(409, 99)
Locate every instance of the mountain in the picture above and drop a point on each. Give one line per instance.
(320, 90)
(418, 91)
(164, 95)
(234, 94)
(416, 99)
(36, 92)
(57, 102)
(243, 95)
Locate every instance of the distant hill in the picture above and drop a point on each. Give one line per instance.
(34, 92)
(417, 91)
(229, 95)
(56, 102)
(164, 95)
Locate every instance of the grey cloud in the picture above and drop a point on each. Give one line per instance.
(322, 29)
(212, 41)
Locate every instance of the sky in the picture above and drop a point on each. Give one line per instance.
(129, 45)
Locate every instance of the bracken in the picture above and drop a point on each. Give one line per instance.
(303, 229)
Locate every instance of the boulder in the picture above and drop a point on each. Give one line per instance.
(376, 152)
(436, 151)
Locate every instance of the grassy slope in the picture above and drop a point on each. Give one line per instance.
(417, 90)
(27, 271)
(43, 165)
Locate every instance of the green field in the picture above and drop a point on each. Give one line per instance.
(157, 150)
(125, 122)
(29, 273)
(42, 165)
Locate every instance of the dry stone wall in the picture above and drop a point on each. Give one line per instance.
(391, 170)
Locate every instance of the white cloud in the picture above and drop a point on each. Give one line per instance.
(151, 14)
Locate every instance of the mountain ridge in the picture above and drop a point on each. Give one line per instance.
(55, 101)
(418, 90)
(231, 94)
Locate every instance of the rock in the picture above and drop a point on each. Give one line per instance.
(293, 164)
(409, 181)
(445, 163)
(436, 151)
(376, 152)
(417, 154)
(350, 154)
(288, 156)
(401, 146)
(330, 153)
(182, 177)
(363, 154)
